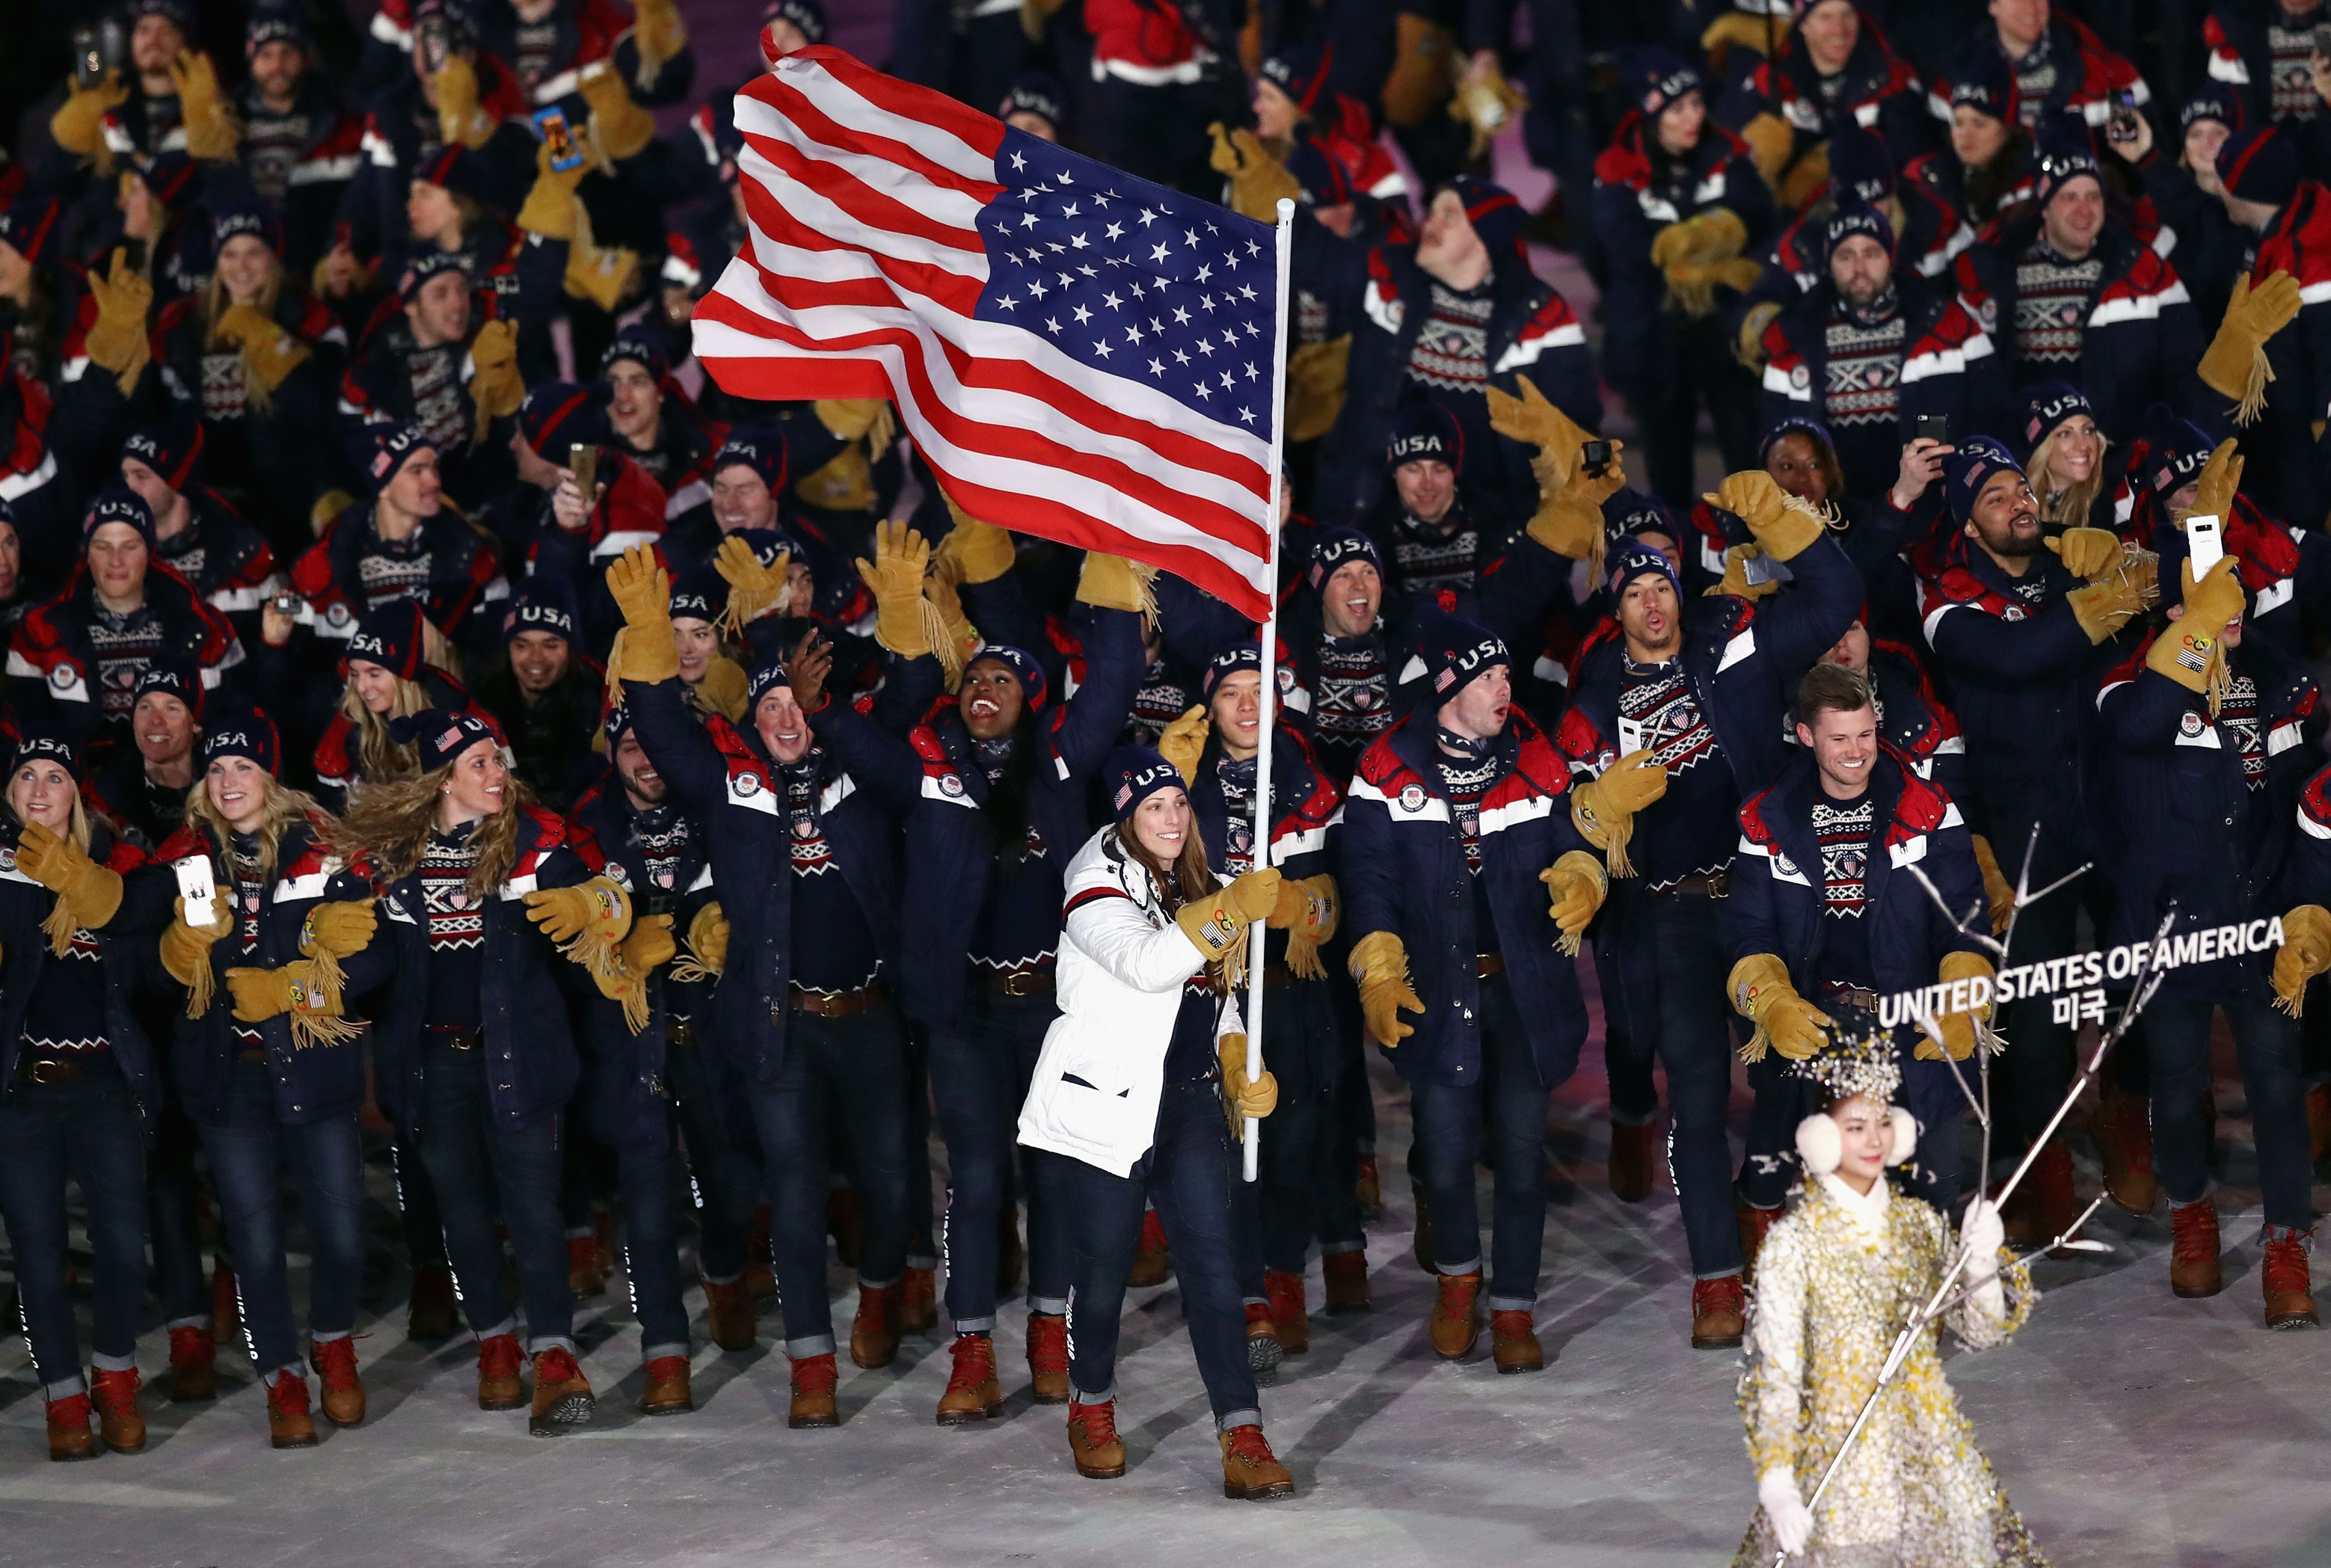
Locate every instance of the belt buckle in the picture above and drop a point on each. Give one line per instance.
(1020, 983)
(49, 1070)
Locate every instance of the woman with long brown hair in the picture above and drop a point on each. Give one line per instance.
(476, 1056)
(1141, 1076)
(387, 673)
(271, 1072)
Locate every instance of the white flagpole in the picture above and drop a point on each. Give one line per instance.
(1257, 937)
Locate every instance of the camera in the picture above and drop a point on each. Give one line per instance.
(285, 603)
(99, 47)
(1595, 456)
(2121, 126)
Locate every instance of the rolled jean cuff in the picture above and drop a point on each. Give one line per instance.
(1355, 1245)
(1619, 1118)
(1454, 1269)
(659, 1352)
(1255, 1300)
(104, 1362)
(65, 1387)
(199, 1320)
(508, 1327)
(542, 1342)
(985, 1325)
(1048, 1307)
(1731, 1273)
(295, 1369)
(1237, 1418)
(809, 1344)
(729, 1279)
(1512, 1303)
(924, 1260)
(1079, 1396)
(324, 1336)
(866, 1284)
(581, 1233)
(2209, 1191)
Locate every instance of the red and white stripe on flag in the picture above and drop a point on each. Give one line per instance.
(1077, 353)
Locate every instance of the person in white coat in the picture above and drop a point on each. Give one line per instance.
(1140, 1080)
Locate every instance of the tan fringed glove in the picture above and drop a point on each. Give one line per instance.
(1216, 926)
(641, 590)
(1603, 809)
(2191, 650)
(659, 34)
(1184, 741)
(604, 275)
(1486, 103)
(982, 551)
(708, 942)
(187, 950)
(1958, 1029)
(550, 201)
(1770, 141)
(724, 689)
(619, 127)
(1308, 910)
(1780, 522)
(1736, 581)
(496, 387)
(270, 354)
(754, 589)
(2087, 552)
(87, 894)
(1114, 582)
(343, 928)
(2305, 952)
(2106, 605)
(867, 419)
(211, 132)
(1569, 518)
(1997, 891)
(1379, 964)
(903, 621)
(2221, 482)
(1316, 374)
(1761, 991)
(458, 117)
(78, 124)
(118, 339)
(1575, 886)
(1258, 182)
(1242, 1097)
(598, 907)
(2235, 364)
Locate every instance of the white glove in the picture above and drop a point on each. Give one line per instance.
(1792, 1522)
(1985, 1235)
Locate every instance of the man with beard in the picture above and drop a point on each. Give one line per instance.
(545, 694)
(300, 144)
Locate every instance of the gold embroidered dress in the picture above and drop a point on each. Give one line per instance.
(1836, 1280)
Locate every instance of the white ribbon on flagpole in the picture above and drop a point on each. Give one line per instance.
(1268, 710)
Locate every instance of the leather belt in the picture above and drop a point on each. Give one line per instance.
(837, 1003)
(1487, 964)
(49, 1070)
(252, 1053)
(457, 1039)
(1027, 980)
(1715, 885)
(1852, 996)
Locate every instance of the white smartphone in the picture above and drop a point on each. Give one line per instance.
(1631, 737)
(2205, 542)
(196, 886)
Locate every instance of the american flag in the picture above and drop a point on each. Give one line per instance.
(1077, 353)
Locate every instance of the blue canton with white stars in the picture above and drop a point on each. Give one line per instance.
(1132, 280)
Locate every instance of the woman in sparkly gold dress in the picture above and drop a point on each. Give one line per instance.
(1836, 1280)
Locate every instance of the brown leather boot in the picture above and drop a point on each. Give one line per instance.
(972, 1392)
(1287, 1311)
(562, 1394)
(1456, 1326)
(1346, 1278)
(919, 1300)
(289, 1423)
(429, 1314)
(69, 1434)
(1630, 1162)
(1093, 1442)
(812, 1393)
(1719, 1312)
(2045, 1206)
(846, 1223)
(1513, 1342)
(194, 1363)
(334, 1362)
(227, 1303)
(728, 1313)
(2123, 1130)
(584, 1275)
(1048, 1357)
(1367, 1188)
(1754, 1223)
(1151, 1265)
(874, 1333)
(118, 1420)
(666, 1393)
(500, 1364)
(2194, 1269)
(760, 1280)
(1251, 1471)
(2285, 1279)
(1263, 1351)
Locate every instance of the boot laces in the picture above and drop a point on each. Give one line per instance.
(336, 1362)
(1048, 1343)
(1249, 1446)
(70, 1411)
(2284, 1268)
(114, 1392)
(814, 1374)
(1098, 1421)
(1456, 1295)
(975, 1362)
(2193, 1233)
(556, 1365)
(289, 1394)
(1717, 1295)
(499, 1357)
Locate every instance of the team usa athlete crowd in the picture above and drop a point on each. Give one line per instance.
(450, 731)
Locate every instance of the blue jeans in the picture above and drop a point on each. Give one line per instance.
(1671, 966)
(88, 1130)
(1303, 1188)
(2266, 1042)
(471, 1158)
(980, 1079)
(725, 1182)
(1186, 1176)
(248, 1149)
(845, 1076)
(180, 1282)
(1448, 1131)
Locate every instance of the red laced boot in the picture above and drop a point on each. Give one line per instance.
(118, 1420)
(1513, 1342)
(1047, 1356)
(562, 1394)
(1151, 1265)
(874, 1333)
(1093, 1442)
(918, 1302)
(288, 1424)
(585, 1276)
(194, 1363)
(69, 1434)
(1456, 1326)
(335, 1363)
(972, 1392)
(666, 1391)
(1345, 1277)
(1251, 1471)
(728, 1313)
(2285, 1279)
(500, 1364)
(812, 1393)
(2123, 1130)
(1288, 1312)
(2194, 1269)
(1720, 1313)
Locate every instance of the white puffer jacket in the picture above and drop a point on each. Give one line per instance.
(1120, 977)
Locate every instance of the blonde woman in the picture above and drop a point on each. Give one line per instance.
(386, 674)
(76, 1079)
(2067, 461)
(481, 892)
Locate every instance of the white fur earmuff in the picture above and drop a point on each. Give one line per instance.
(1819, 1143)
(1904, 1141)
